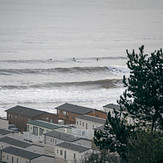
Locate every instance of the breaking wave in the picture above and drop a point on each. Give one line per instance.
(107, 83)
(62, 70)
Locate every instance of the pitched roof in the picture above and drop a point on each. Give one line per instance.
(15, 142)
(82, 138)
(62, 136)
(74, 147)
(44, 124)
(92, 119)
(21, 110)
(4, 132)
(21, 153)
(112, 106)
(75, 108)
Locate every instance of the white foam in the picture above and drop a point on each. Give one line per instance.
(47, 99)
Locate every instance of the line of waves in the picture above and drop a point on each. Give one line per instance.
(107, 83)
(63, 70)
(51, 60)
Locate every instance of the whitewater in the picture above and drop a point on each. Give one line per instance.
(40, 38)
(45, 84)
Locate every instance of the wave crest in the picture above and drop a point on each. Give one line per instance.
(63, 70)
(107, 83)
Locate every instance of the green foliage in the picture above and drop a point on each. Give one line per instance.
(146, 147)
(115, 135)
(143, 96)
(101, 157)
(143, 99)
(132, 144)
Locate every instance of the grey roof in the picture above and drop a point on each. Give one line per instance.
(4, 132)
(15, 142)
(75, 108)
(74, 147)
(82, 138)
(21, 153)
(92, 119)
(62, 136)
(21, 110)
(112, 106)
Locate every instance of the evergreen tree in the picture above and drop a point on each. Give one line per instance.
(114, 137)
(143, 97)
(145, 147)
(100, 157)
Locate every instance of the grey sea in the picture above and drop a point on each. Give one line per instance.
(57, 51)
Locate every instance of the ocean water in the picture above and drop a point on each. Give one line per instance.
(40, 38)
(45, 84)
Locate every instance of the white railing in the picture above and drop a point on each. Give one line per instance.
(30, 137)
(83, 133)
